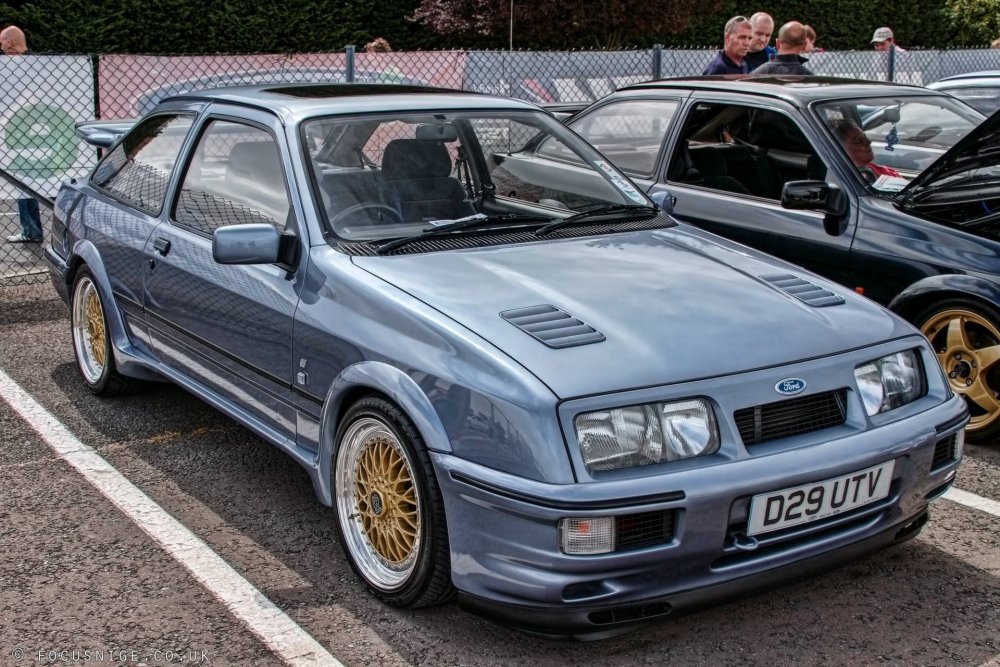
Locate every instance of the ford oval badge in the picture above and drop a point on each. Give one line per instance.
(790, 386)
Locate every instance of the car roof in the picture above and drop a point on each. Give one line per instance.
(792, 88)
(988, 74)
(310, 99)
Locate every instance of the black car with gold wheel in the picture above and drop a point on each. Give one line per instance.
(889, 189)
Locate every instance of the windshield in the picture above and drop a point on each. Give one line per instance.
(892, 140)
(394, 176)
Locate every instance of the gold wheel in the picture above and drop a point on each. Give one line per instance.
(378, 503)
(968, 346)
(90, 333)
(387, 501)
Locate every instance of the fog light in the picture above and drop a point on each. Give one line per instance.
(959, 444)
(588, 536)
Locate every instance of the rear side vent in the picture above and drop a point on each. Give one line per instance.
(552, 326)
(803, 290)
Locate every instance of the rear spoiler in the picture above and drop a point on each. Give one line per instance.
(103, 133)
(565, 110)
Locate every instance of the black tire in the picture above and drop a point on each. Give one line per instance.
(965, 336)
(92, 341)
(390, 515)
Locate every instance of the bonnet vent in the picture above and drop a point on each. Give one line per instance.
(803, 290)
(552, 326)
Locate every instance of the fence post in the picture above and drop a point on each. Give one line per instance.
(349, 50)
(657, 61)
(892, 62)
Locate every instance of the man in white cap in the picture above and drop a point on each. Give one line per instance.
(883, 40)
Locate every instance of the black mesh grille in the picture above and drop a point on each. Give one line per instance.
(944, 452)
(641, 530)
(796, 416)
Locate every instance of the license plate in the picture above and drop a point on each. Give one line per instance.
(811, 502)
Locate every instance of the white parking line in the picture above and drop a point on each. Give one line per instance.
(274, 628)
(972, 500)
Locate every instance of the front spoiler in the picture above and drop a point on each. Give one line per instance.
(602, 622)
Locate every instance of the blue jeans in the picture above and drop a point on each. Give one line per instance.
(31, 219)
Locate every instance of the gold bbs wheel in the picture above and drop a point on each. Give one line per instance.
(90, 334)
(967, 343)
(378, 502)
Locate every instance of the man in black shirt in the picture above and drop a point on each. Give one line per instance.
(730, 60)
(791, 43)
(761, 50)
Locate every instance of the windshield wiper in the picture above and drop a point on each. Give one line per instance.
(631, 209)
(441, 227)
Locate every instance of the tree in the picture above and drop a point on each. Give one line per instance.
(974, 22)
(606, 24)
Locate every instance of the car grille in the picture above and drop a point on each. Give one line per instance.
(944, 452)
(795, 416)
(641, 530)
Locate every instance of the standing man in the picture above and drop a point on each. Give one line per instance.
(792, 41)
(883, 40)
(730, 60)
(761, 50)
(13, 43)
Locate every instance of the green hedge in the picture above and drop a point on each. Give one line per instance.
(266, 26)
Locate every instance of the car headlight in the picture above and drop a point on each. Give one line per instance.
(639, 435)
(890, 382)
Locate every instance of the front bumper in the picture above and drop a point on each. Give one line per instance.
(504, 530)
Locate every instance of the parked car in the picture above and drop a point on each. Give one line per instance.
(520, 384)
(980, 90)
(758, 160)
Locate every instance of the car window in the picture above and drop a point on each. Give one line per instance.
(234, 177)
(905, 135)
(629, 133)
(742, 150)
(138, 169)
(985, 100)
(399, 174)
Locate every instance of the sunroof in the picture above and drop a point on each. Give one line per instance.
(350, 89)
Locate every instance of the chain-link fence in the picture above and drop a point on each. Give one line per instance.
(45, 95)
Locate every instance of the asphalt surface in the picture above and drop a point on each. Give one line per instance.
(77, 575)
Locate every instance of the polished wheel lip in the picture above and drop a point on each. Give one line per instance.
(89, 331)
(966, 366)
(371, 461)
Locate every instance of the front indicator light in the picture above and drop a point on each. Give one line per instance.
(587, 536)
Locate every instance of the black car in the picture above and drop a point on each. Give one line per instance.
(763, 160)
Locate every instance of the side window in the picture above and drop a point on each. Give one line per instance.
(628, 133)
(234, 178)
(138, 169)
(743, 150)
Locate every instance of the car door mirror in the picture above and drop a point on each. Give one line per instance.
(664, 200)
(814, 196)
(246, 244)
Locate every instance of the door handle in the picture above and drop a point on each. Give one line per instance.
(162, 246)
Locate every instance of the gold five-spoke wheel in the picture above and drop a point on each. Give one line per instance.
(968, 346)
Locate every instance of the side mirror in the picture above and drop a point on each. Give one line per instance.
(246, 244)
(664, 200)
(818, 196)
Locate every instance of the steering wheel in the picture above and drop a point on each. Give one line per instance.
(385, 208)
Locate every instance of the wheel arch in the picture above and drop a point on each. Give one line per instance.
(365, 379)
(921, 295)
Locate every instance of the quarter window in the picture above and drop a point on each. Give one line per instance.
(234, 178)
(138, 169)
(627, 133)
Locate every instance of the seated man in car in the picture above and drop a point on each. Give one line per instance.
(859, 149)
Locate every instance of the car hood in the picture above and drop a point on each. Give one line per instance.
(979, 148)
(673, 305)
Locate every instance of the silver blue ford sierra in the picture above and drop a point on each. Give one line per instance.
(528, 388)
